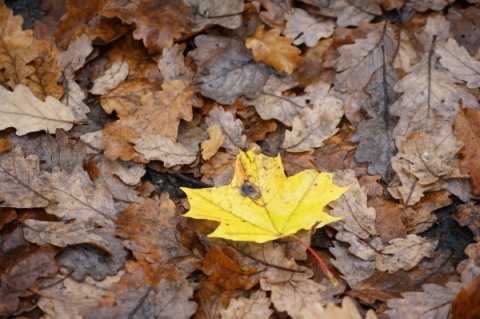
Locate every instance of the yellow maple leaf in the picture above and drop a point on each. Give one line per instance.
(262, 204)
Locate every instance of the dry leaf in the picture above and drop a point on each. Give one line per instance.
(172, 64)
(159, 147)
(357, 218)
(232, 129)
(466, 303)
(150, 232)
(351, 13)
(300, 299)
(457, 60)
(23, 184)
(157, 24)
(433, 302)
(404, 253)
(466, 129)
(60, 233)
(15, 51)
(214, 142)
(358, 61)
(228, 14)
(22, 110)
(226, 70)
(347, 310)
(257, 305)
(315, 125)
(272, 49)
(429, 90)
(308, 29)
(116, 74)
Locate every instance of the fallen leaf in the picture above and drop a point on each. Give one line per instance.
(306, 28)
(150, 232)
(466, 215)
(228, 14)
(354, 269)
(466, 304)
(433, 302)
(261, 203)
(423, 6)
(467, 131)
(275, 13)
(347, 310)
(426, 96)
(357, 218)
(404, 253)
(358, 61)
(164, 294)
(22, 110)
(383, 286)
(300, 299)
(463, 23)
(22, 183)
(457, 60)
(257, 305)
(350, 13)
(226, 70)
(221, 267)
(231, 129)
(172, 64)
(375, 134)
(116, 74)
(15, 51)
(60, 234)
(214, 142)
(272, 49)
(44, 81)
(273, 104)
(157, 24)
(22, 269)
(315, 125)
(160, 147)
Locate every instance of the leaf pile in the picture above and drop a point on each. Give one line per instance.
(99, 96)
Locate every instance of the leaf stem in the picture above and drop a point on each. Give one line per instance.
(325, 269)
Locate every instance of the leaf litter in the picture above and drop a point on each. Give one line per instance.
(376, 100)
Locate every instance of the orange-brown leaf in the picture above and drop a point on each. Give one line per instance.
(274, 50)
(466, 129)
(15, 51)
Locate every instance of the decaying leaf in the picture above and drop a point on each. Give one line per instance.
(467, 130)
(357, 62)
(22, 110)
(308, 29)
(261, 203)
(350, 13)
(272, 49)
(300, 299)
(315, 125)
(116, 74)
(347, 310)
(214, 142)
(429, 90)
(404, 253)
(225, 13)
(226, 70)
(257, 305)
(458, 61)
(159, 147)
(231, 128)
(15, 52)
(433, 302)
